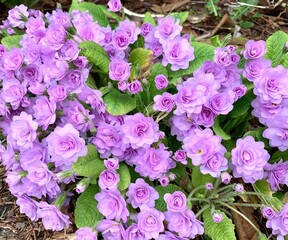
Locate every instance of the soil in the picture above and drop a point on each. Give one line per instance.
(202, 24)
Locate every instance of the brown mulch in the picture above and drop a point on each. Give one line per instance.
(200, 23)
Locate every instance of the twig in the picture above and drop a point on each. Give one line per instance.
(133, 14)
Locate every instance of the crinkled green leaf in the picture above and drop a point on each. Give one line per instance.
(181, 16)
(218, 231)
(73, 6)
(219, 131)
(109, 13)
(118, 103)
(86, 212)
(242, 106)
(11, 41)
(141, 57)
(95, 54)
(202, 53)
(160, 204)
(149, 19)
(284, 60)
(96, 12)
(199, 178)
(275, 45)
(125, 178)
(90, 165)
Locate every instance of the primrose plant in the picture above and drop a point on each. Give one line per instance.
(152, 134)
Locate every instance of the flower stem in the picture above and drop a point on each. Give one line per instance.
(202, 210)
(242, 215)
(195, 190)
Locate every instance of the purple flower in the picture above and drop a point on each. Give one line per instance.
(13, 59)
(184, 223)
(248, 159)
(109, 140)
(52, 218)
(167, 29)
(15, 16)
(130, 28)
(119, 70)
(58, 16)
(85, 233)
(69, 51)
(277, 174)
(54, 69)
(65, 145)
(164, 102)
(112, 205)
(111, 230)
(150, 222)
(23, 130)
(176, 202)
(74, 80)
(44, 112)
(239, 188)
(146, 28)
(57, 93)
(190, 98)
(170, 236)
(140, 131)
(152, 162)
(277, 137)
(28, 206)
(268, 213)
(180, 156)
(135, 87)
(111, 164)
(34, 24)
(279, 223)
(140, 193)
(114, 5)
(123, 86)
(134, 233)
(254, 50)
(272, 86)
(205, 117)
(39, 174)
(164, 181)
(108, 179)
(225, 177)
(220, 103)
(253, 69)
(210, 68)
(120, 39)
(206, 150)
(217, 217)
(209, 186)
(161, 82)
(178, 52)
(55, 36)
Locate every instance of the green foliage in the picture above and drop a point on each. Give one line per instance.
(202, 53)
(11, 41)
(86, 212)
(218, 231)
(125, 178)
(275, 45)
(213, 8)
(109, 13)
(242, 106)
(141, 60)
(216, 42)
(241, 11)
(257, 134)
(96, 55)
(118, 103)
(13, 3)
(278, 155)
(246, 24)
(181, 16)
(284, 60)
(219, 131)
(89, 166)
(96, 12)
(199, 179)
(149, 19)
(160, 204)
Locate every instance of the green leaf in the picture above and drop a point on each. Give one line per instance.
(219, 131)
(278, 155)
(89, 166)
(90, 82)
(275, 45)
(149, 19)
(95, 54)
(262, 236)
(125, 177)
(257, 134)
(160, 204)
(246, 24)
(74, 6)
(96, 12)
(284, 60)
(86, 212)
(181, 16)
(215, 41)
(118, 103)
(199, 178)
(218, 231)
(11, 41)
(242, 106)
(202, 53)
(141, 57)
(109, 13)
